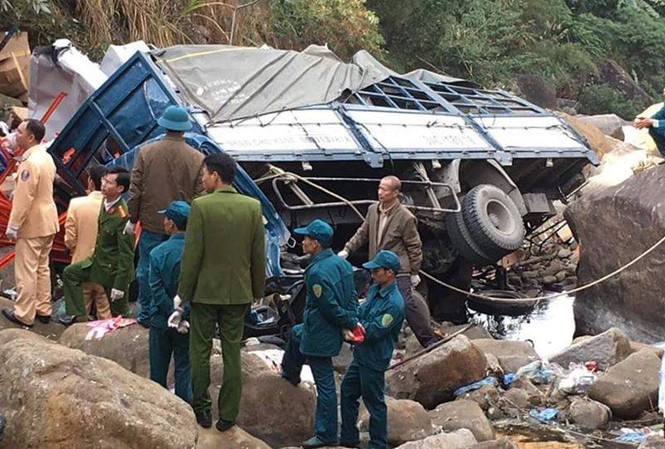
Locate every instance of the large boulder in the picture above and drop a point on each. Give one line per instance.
(609, 124)
(54, 397)
(503, 443)
(270, 407)
(433, 377)
(407, 421)
(235, 438)
(128, 346)
(463, 414)
(51, 330)
(607, 349)
(459, 439)
(589, 415)
(629, 387)
(653, 442)
(633, 220)
(512, 355)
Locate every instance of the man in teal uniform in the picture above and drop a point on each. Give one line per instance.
(164, 273)
(223, 270)
(381, 317)
(331, 307)
(112, 263)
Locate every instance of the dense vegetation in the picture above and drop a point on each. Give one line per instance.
(564, 46)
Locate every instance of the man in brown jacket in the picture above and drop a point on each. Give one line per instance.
(33, 223)
(81, 234)
(391, 226)
(163, 171)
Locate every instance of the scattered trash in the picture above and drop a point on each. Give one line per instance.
(539, 372)
(661, 388)
(509, 378)
(633, 435)
(100, 328)
(544, 415)
(476, 385)
(577, 381)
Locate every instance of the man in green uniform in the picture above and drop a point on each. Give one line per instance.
(331, 307)
(164, 273)
(223, 269)
(381, 316)
(112, 263)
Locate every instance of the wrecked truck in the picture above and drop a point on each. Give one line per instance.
(313, 136)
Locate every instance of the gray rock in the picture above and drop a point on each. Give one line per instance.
(342, 361)
(503, 443)
(463, 414)
(561, 275)
(607, 349)
(633, 220)
(475, 332)
(52, 331)
(512, 355)
(530, 275)
(588, 414)
(629, 387)
(548, 280)
(233, 438)
(459, 439)
(653, 442)
(515, 397)
(434, 377)
(486, 396)
(536, 397)
(564, 253)
(407, 421)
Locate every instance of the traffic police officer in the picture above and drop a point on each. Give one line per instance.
(164, 275)
(381, 316)
(331, 307)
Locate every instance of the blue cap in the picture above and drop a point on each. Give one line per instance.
(318, 230)
(175, 118)
(177, 212)
(384, 259)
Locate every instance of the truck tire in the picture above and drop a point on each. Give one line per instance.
(493, 220)
(463, 242)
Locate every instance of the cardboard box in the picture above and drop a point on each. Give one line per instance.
(14, 66)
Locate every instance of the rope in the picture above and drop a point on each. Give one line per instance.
(459, 290)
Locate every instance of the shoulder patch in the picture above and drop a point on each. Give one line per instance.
(386, 320)
(317, 290)
(25, 175)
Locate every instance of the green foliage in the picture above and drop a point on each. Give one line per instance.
(601, 99)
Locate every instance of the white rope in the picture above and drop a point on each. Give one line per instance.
(459, 290)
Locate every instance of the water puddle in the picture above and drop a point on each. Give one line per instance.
(550, 326)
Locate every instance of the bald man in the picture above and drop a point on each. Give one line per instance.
(391, 226)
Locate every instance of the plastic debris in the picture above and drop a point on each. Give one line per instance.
(509, 378)
(633, 435)
(100, 328)
(476, 386)
(544, 415)
(538, 372)
(577, 381)
(661, 388)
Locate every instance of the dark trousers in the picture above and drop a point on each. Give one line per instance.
(231, 321)
(416, 312)
(165, 343)
(73, 278)
(368, 383)
(147, 242)
(325, 424)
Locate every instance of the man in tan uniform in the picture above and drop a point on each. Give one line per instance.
(33, 223)
(81, 235)
(163, 171)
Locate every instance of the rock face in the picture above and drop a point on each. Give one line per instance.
(56, 398)
(52, 331)
(609, 124)
(433, 378)
(459, 439)
(630, 386)
(407, 421)
(633, 220)
(235, 438)
(503, 443)
(653, 442)
(512, 355)
(589, 415)
(270, 408)
(128, 347)
(607, 349)
(463, 414)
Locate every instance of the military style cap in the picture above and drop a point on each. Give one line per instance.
(318, 230)
(178, 212)
(384, 259)
(175, 118)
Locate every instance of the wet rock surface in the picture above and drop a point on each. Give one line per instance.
(606, 349)
(459, 439)
(52, 330)
(512, 355)
(463, 414)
